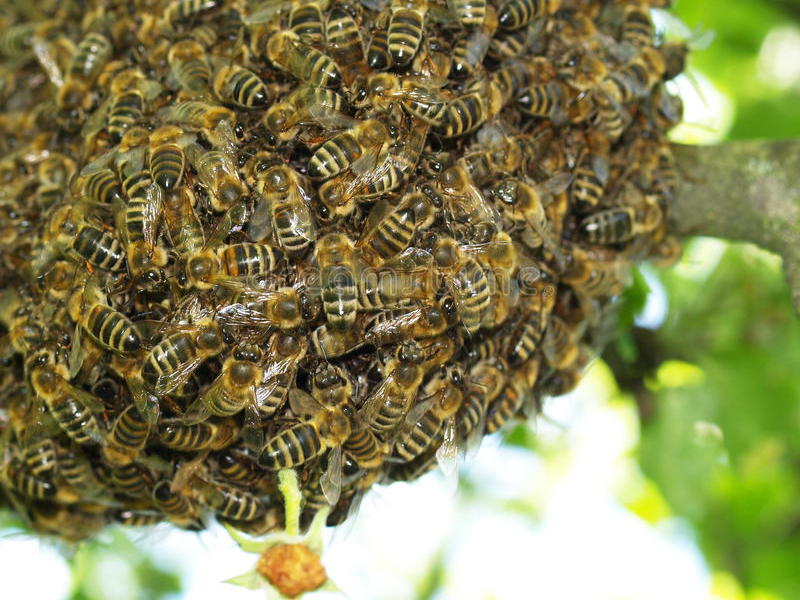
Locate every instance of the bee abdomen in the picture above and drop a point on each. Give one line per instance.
(99, 249)
(125, 112)
(291, 447)
(404, 36)
(112, 329)
(166, 165)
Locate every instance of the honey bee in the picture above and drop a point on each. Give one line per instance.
(366, 179)
(282, 308)
(420, 97)
(177, 435)
(179, 508)
(217, 123)
(108, 327)
(595, 274)
(389, 230)
(404, 33)
(90, 56)
(325, 427)
(332, 343)
(487, 378)
(228, 501)
(305, 20)
(637, 29)
(473, 13)
(76, 471)
(538, 301)
(130, 90)
(346, 46)
(166, 155)
(188, 65)
(305, 105)
(216, 170)
(336, 258)
(435, 412)
(16, 40)
(14, 477)
(36, 448)
(79, 240)
(238, 467)
(433, 59)
(102, 186)
(389, 403)
(560, 348)
(183, 227)
(284, 353)
(546, 100)
(170, 362)
(127, 438)
(515, 14)
(303, 62)
(634, 79)
(470, 51)
(394, 326)
(378, 56)
(620, 224)
(52, 175)
(591, 176)
(72, 408)
(517, 393)
(240, 86)
(184, 10)
(481, 102)
(342, 150)
(286, 198)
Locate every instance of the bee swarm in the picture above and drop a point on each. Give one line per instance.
(347, 238)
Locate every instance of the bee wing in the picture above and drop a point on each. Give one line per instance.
(379, 212)
(402, 321)
(146, 403)
(264, 12)
(232, 220)
(152, 209)
(239, 315)
(410, 260)
(186, 472)
(302, 403)
(331, 480)
(447, 453)
(77, 354)
(259, 228)
(166, 384)
(372, 405)
(330, 119)
(252, 434)
(198, 411)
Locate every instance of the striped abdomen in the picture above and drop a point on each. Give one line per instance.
(344, 37)
(98, 248)
(112, 329)
(291, 447)
(75, 419)
(362, 445)
(588, 187)
(103, 187)
(128, 436)
(166, 165)
(518, 13)
(233, 503)
(126, 111)
(164, 359)
(404, 34)
(128, 480)
(464, 114)
(393, 234)
(339, 296)
(419, 438)
(334, 156)
(248, 259)
(378, 57)
(28, 485)
(186, 438)
(305, 19)
(505, 407)
(471, 13)
(472, 295)
(610, 226)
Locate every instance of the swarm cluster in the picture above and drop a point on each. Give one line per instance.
(344, 237)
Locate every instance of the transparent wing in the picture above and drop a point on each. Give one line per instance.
(331, 480)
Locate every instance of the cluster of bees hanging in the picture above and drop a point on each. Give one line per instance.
(347, 237)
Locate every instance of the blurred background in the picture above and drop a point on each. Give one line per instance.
(673, 471)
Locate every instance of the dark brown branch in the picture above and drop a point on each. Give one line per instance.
(745, 191)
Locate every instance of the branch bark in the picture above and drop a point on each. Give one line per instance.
(744, 191)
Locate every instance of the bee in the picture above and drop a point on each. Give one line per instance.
(404, 33)
(209, 119)
(185, 10)
(130, 480)
(52, 175)
(177, 506)
(16, 478)
(286, 197)
(102, 186)
(72, 408)
(76, 471)
(108, 327)
(637, 29)
(479, 103)
(81, 241)
(463, 199)
(37, 449)
(420, 97)
(284, 353)
(305, 105)
(170, 362)
(389, 230)
(136, 518)
(538, 300)
(342, 150)
(305, 20)
(524, 204)
(517, 393)
(233, 390)
(166, 155)
(324, 428)
(545, 100)
(473, 13)
(435, 412)
(591, 177)
(621, 224)
(336, 258)
(129, 92)
(216, 170)
(127, 438)
(177, 435)
(332, 343)
(188, 65)
(183, 227)
(560, 348)
(515, 14)
(595, 274)
(434, 59)
(305, 63)
(487, 379)
(389, 403)
(470, 51)
(282, 308)
(378, 56)
(90, 56)
(228, 501)
(634, 79)
(346, 47)
(237, 467)
(16, 40)
(367, 179)
(240, 86)
(394, 326)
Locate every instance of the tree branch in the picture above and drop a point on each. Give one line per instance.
(745, 191)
